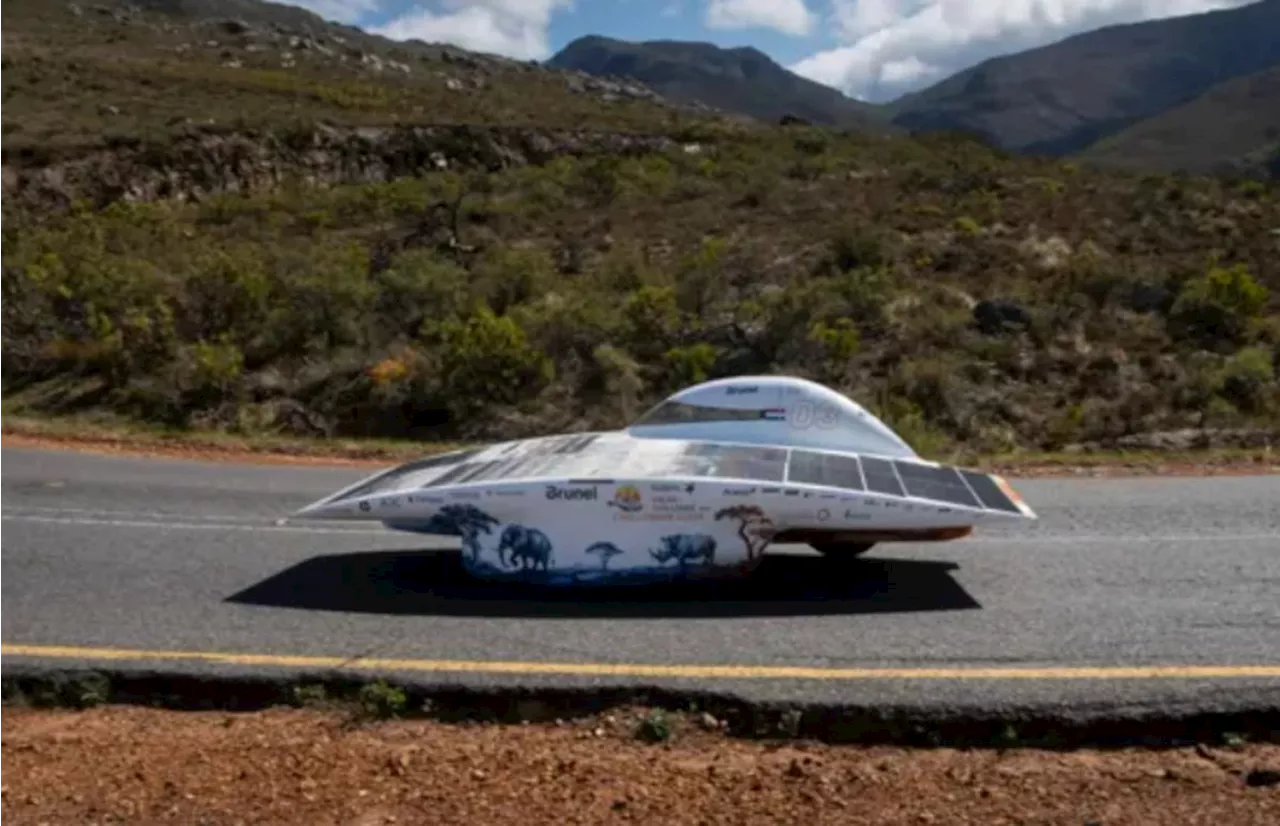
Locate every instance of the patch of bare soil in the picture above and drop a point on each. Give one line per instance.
(137, 765)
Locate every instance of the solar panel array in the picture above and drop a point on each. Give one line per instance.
(389, 479)
(543, 457)
(570, 457)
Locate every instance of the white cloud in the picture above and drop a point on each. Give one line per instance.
(908, 71)
(888, 47)
(787, 16)
(514, 28)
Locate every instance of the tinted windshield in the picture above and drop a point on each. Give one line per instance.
(671, 412)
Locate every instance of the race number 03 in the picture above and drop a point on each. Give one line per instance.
(806, 415)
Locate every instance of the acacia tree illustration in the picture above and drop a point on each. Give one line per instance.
(604, 550)
(752, 524)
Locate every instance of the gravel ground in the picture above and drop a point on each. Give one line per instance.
(139, 765)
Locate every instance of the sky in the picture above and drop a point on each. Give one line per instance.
(874, 50)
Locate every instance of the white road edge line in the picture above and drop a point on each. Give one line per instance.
(21, 510)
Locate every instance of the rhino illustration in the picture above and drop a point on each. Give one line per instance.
(530, 547)
(686, 548)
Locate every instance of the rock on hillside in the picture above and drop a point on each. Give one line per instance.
(207, 162)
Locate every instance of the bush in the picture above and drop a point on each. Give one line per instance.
(1218, 308)
(485, 361)
(1247, 380)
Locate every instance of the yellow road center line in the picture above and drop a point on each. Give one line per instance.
(733, 672)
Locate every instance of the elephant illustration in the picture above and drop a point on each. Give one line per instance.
(530, 547)
(686, 548)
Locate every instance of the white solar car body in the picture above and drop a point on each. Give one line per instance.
(697, 487)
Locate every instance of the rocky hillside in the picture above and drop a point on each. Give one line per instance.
(1232, 129)
(441, 251)
(742, 80)
(1065, 96)
(80, 75)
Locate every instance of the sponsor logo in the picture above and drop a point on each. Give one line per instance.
(672, 487)
(389, 502)
(771, 490)
(734, 390)
(792, 493)
(557, 493)
(464, 494)
(738, 491)
(673, 504)
(627, 498)
(824, 515)
(661, 508)
(506, 492)
(365, 506)
(849, 514)
(659, 517)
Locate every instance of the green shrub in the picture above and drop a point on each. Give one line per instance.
(1247, 380)
(1219, 306)
(485, 360)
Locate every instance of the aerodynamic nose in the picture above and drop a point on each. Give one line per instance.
(331, 507)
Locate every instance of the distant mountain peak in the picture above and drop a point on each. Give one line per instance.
(740, 79)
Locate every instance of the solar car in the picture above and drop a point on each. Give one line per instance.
(698, 486)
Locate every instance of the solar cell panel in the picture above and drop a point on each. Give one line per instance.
(880, 476)
(942, 484)
(767, 464)
(829, 469)
(989, 492)
(450, 475)
(388, 479)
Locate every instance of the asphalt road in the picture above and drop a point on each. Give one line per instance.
(168, 556)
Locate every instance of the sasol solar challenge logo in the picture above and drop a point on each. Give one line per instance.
(627, 498)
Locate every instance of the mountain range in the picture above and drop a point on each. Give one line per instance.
(1197, 93)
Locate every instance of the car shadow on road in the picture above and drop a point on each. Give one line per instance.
(434, 583)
